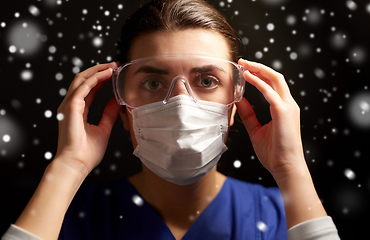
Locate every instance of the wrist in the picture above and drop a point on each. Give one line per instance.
(294, 167)
(61, 170)
(299, 194)
(69, 166)
(292, 173)
(44, 213)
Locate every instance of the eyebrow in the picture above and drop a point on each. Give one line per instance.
(203, 69)
(150, 69)
(207, 68)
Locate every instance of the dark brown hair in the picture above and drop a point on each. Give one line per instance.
(174, 15)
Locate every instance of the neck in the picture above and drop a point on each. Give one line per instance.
(178, 205)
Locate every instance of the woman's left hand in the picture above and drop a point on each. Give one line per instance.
(277, 144)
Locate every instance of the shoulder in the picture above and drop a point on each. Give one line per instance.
(259, 191)
(97, 193)
(95, 210)
(104, 188)
(266, 204)
(99, 196)
(268, 198)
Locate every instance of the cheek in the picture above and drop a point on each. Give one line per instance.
(231, 115)
(230, 120)
(132, 134)
(134, 142)
(129, 127)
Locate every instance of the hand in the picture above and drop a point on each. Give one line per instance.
(80, 144)
(277, 144)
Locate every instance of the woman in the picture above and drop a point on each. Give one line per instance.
(177, 97)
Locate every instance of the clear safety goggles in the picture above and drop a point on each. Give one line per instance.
(153, 79)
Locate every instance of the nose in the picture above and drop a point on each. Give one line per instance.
(179, 86)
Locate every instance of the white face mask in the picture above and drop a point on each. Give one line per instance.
(182, 140)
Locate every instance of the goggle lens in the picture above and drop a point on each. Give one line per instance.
(153, 79)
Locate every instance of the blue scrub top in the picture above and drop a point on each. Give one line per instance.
(116, 210)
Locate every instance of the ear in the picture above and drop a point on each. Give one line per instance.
(232, 115)
(124, 117)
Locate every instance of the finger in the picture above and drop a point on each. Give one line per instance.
(95, 83)
(271, 96)
(83, 91)
(248, 116)
(90, 97)
(109, 115)
(274, 79)
(82, 76)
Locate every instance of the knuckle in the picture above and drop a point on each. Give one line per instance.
(74, 102)
(62, 105)
(92, 81)
(85, 84)
(73, 105)
(95, 76)
(78, 75)
(60, 109)
(280, 76)
(282, 108)
(297, 107)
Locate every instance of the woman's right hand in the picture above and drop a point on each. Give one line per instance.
(81, 145)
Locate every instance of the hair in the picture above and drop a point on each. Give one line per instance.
(171, 16)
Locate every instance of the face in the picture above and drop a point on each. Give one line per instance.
(191, 41)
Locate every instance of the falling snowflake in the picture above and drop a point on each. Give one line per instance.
(261, 226)
(138, 200)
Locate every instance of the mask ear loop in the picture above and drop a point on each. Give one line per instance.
(173, 84)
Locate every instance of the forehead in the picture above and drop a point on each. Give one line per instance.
(190, 41)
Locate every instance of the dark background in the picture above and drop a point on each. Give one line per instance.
(321, 47)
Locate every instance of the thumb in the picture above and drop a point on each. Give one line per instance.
(248, 116)
(109, 115)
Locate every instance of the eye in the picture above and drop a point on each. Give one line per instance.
(208, 81)
(151, 84)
